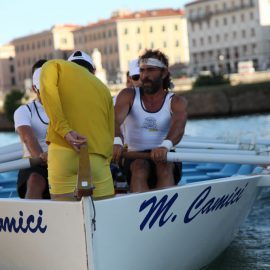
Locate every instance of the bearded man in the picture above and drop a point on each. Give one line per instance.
(155, 120)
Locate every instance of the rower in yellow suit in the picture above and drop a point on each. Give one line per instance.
(80, 110)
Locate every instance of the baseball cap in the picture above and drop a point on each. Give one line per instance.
(36, 78)
(133, 67)
(81, 56)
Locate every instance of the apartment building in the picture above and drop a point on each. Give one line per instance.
(126, 34)
(223, 33)
(7, 68)
(57, 42)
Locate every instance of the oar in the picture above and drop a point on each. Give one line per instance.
(203, 157)
(216, 151)
(11, 156)
(184, 144)
(22, 163)
(84, 183)
(10, 148)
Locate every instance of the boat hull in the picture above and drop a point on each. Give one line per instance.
(184, 227)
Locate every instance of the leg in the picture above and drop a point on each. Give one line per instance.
(36, 185)
(139, 175)
(165, 175)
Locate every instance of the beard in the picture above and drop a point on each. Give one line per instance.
(151, 87)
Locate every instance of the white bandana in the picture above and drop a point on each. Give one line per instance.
(152, 62)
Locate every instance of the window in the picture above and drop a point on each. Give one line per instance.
(243, 33)
(175, 27)
(163, 29)
(138, 30)
(151, 29)
(127, 47)
(252, 32)
(177, 43)
(11, 69)
(125, 31)
(201, 41)
(13, 81)
(164, 44)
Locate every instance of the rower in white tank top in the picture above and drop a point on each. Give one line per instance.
(146, 130)
(33, 115)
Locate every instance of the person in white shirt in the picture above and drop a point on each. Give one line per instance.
(154, 120)
(31, 123)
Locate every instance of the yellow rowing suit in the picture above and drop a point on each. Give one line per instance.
(74, 99)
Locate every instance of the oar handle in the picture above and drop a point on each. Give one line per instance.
(35, 161)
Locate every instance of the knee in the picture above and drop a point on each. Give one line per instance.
(139, 166)
(165, 169)
(36, 181)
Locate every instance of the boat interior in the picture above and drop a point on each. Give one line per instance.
(191, 172)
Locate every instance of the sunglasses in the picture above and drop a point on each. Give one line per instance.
(135, 77)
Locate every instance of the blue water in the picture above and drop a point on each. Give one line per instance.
(251, 248)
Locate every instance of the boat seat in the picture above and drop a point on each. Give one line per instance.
(257, 170)
(245, 169)
(228, 170)
(8, 193)
(193, 178)
(8, 183)
(209, 167)
(189, 165)
(188, 172)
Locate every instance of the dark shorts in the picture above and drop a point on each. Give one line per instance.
(152, 179)
(23, 177)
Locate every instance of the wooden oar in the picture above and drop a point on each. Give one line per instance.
(84, 183)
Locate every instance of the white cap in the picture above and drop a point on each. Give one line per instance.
(36, 78)
(133, 67)
(80, 55)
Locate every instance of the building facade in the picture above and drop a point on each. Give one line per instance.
(223, 33)
(125, 35)
(7, 68)
(58, 42)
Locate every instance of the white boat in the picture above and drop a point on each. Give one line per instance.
(179, 228)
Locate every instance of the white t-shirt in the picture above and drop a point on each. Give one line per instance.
(33, 115)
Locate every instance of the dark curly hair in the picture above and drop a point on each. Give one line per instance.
(157, 54)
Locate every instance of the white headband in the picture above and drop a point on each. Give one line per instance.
(152, 62)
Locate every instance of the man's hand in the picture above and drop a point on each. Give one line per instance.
(75, 140)
(44, 157)
(159, 154)
(117, 153)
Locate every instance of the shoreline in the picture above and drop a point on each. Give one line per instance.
(212, 102)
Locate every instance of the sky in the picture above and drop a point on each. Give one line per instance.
(20, 18)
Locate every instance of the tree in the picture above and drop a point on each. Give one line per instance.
(12, 102)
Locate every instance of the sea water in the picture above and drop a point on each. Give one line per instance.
(250, 250)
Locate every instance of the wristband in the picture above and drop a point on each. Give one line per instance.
(117, 140)
(167, 144)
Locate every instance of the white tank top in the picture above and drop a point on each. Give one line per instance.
(33, 115)
(146, 130)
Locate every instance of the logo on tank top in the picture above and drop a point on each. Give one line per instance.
(150, 124)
